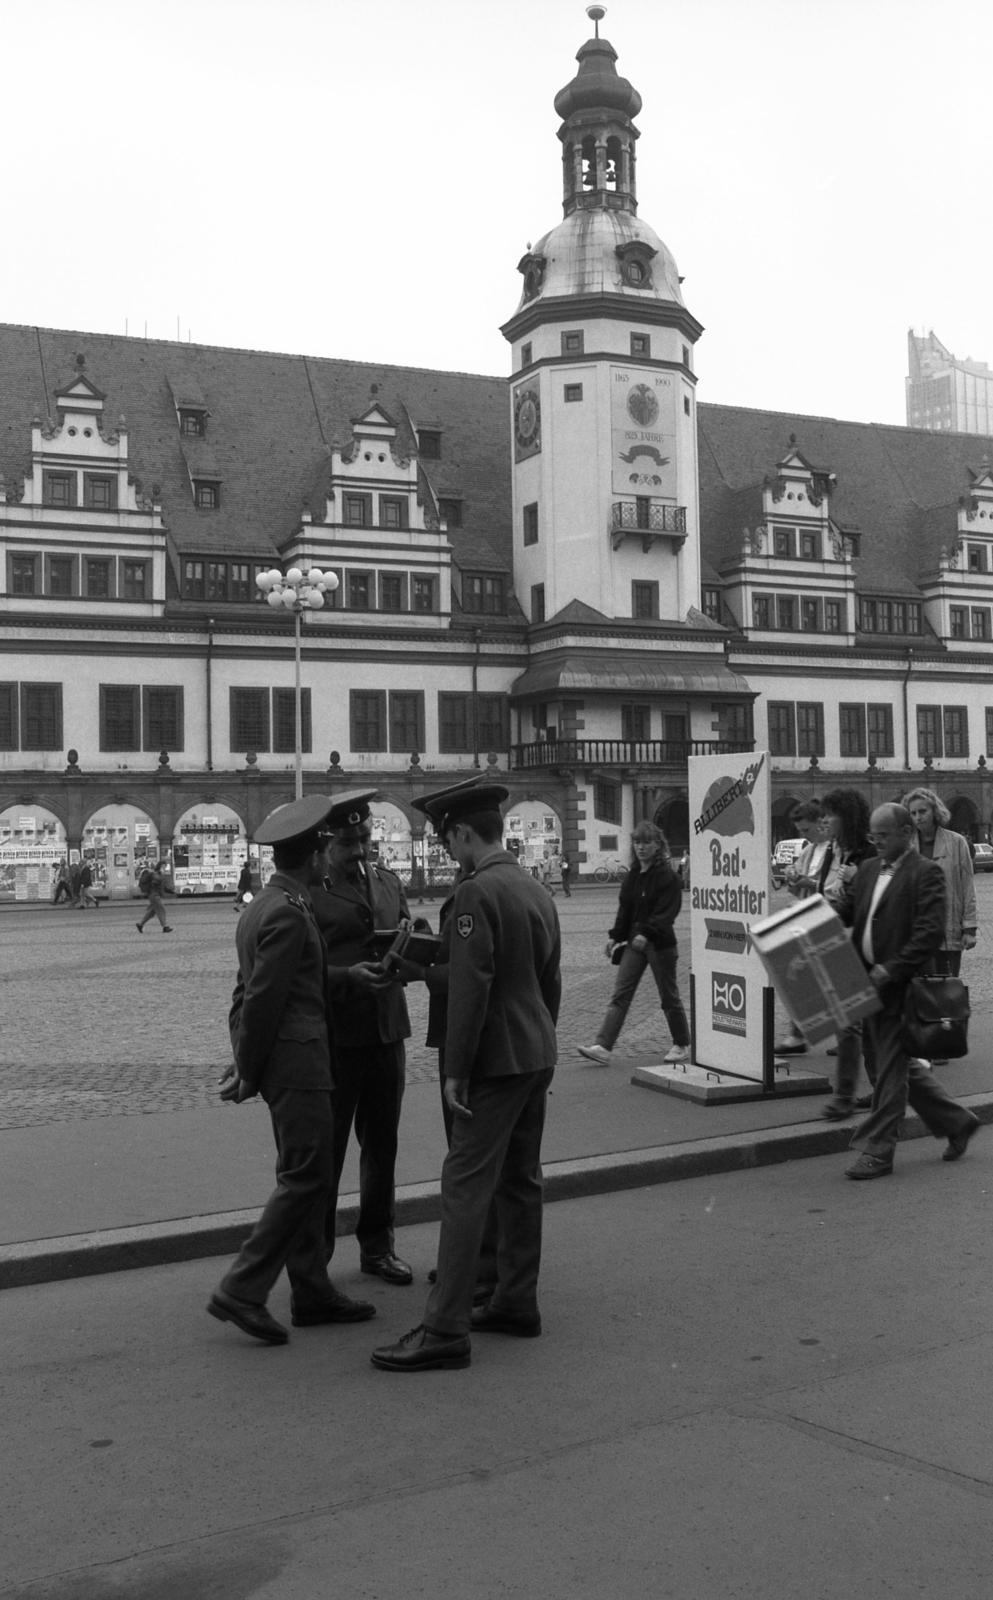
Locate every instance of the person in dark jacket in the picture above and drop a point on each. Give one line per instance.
(649, 904)
(846, 833)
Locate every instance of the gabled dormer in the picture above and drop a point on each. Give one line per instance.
(191, 408)
(958, 591)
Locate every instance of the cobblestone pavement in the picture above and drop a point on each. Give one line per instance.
(98, 1022)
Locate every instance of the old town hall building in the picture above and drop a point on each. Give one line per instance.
(574, 580)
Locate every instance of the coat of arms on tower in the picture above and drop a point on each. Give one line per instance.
(643, 408)
(527, 423)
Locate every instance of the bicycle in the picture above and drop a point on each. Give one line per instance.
(610, 871)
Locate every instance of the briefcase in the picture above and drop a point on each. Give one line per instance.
(936, 1019)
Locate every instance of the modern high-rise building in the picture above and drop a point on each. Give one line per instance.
(944, 394)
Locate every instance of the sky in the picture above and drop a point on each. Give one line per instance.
(359, 178)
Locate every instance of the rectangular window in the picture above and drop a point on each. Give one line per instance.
(531, 523)
(977, 558)
(241, 581)
(989, 730)
(879, 720)
(537, 602)
(99, 492)
(217, 580)
(367, 719)
(572, 392)
(284, 724)
(390, 591)
(572, 344)
(710, 604)
(22, 574)
(641, 344)
(206, 495)
(422, 593)
(884, 616)
(851, 730)
(134, 580)
(782, 728)
(636, 722)
(393, 512)
(810, 546)
(868, 610)
(645, 601)
(957, 616)
(454, 733)
(809, 728)
(980, 623)
(41, 716)
(686, 404)
(163, 718)
(786, 612)
(120, 716)
(525, 355)
(429, 444)
(956, 725)
(782, 543)
(406, 721)
(914, 618)
(760, 611)
(249, 720)
(8, 716)
(58, 489)
(193, 580)
(809, 616)
(358, 510)
(834, 616)
(192, 424)
(60, 575)
(483, 594)
(929, 741)
(97, 578)
(734, 723)
(494, 722)
(450, 512)
(359, 591)
(673, 729)
(606, 800)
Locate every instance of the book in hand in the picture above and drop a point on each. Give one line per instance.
(409, 944)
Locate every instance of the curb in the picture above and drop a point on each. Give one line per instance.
(81, 1255)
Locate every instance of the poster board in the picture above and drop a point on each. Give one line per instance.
(730, 873)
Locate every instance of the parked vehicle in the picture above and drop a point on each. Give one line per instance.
(982, 858)
(783, 857)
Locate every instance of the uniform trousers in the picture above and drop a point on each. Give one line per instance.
(486, 1272)
(896, 1079)
(629, 975)
(290, 1231)
(495, 1153)
(367, 1089)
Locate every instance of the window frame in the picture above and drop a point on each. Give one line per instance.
(418, 580)
(135, 565)
(454, 708)
(572, 342)
(834, 610)
(355, 577)
(572, 393)
(390, 503)
(645, 591)
(72, 562)
(238, 710)
(150, 716)
(378, 732)
(762, 612)
(21, 558)
(492, 588)
(493, 711)
(537, 604)
(282, 722)
(782, 739)
(809, 728)
(454, 516)
(852, 730)
(389, 579)
(933, 735)
(784, 544)
(49, 477)
(786, 606)
(530, 523)
(399, 721)
(429, 444)
(207, 494)
(956, 738)
(811, 606)
(641, 345)
(120, 718)
(43, 741)
(108, 564)
(958, 622)
(982, 613)
(636, 721)
(879, 742)
(10, 721)
(812, 539)
(104, 479)
(190, 585)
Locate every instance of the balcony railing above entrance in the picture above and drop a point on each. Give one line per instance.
(620, 752)
(652, 519)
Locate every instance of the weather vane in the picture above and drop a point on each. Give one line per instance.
(596, 14)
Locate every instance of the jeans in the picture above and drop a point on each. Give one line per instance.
(629, 975)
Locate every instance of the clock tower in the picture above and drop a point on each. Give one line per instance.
(602, 394)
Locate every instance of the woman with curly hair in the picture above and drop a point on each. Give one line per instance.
(846, 828)
(642, 936)
(938, 842)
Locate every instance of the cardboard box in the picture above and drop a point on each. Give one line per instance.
(814, 967)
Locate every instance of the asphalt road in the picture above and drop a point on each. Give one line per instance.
(767, 1386)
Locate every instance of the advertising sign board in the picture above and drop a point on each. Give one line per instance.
(730, 884)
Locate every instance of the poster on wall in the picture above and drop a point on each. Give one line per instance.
(643, 433)
(730, 879)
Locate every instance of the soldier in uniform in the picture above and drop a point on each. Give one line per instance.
(369, 1026)
(500, 1049)
(279, 1035)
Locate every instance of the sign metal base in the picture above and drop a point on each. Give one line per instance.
(709, 1087)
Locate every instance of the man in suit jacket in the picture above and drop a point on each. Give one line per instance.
(279, 1035)
(897, 911)
(369, 1025)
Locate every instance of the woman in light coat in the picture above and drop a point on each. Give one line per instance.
(939, 843)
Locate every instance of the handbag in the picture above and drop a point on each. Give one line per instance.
(936, 1019)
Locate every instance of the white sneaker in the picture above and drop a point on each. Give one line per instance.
(595, 1053)
(679, 1052)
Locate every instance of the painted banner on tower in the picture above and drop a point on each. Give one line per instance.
(729, 888)
(643, 432)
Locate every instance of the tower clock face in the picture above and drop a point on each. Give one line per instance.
(527, 423)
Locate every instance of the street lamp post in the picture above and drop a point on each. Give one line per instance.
(297, 591)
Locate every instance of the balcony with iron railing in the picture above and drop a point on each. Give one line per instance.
(648, 518)
(671, 753)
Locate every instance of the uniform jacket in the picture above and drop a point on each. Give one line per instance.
(347, 920)
(279, 1010)
(436, 979)
(909, 924)
(503, 978)
(649, 903)
(952, 854)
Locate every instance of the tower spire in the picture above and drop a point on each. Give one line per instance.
(597, 133)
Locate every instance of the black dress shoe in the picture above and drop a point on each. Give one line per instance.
(869, 1167)
(334, 1308)
(433, 1275)
(836, 1111)
(483, 1294)
(389, 1267)
(251, 1319)
(420, 1350)
(485, 1320)
(862, 1102)
(960, 1143)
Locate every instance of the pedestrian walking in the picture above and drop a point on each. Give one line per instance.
(279, 1024)
(75, 873)
(87, 899)
(369, 1025)
(244, 885)
(937, 842)
(63, 885)
(150, 885)
(643, 937)
(896, 908)
(846, 833)
(565, 871)
(500, 1051)
(801, 881)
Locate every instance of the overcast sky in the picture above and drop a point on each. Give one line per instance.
(359, 178)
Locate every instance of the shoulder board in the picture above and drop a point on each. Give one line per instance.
(294, 900)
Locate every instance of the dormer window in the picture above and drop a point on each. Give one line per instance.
(207, 496)
(450, 512)
(636, 263)
(193, 424)
(99, 491)
(810, 546)
(977, 558)
(783, 543)
(59, 489)
(429, 444)
(392, 512)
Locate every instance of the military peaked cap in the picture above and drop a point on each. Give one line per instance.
(435, 803)
(446, 806)
(296, 820)
(350, 810)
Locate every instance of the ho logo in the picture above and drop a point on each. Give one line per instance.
(728, 997)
